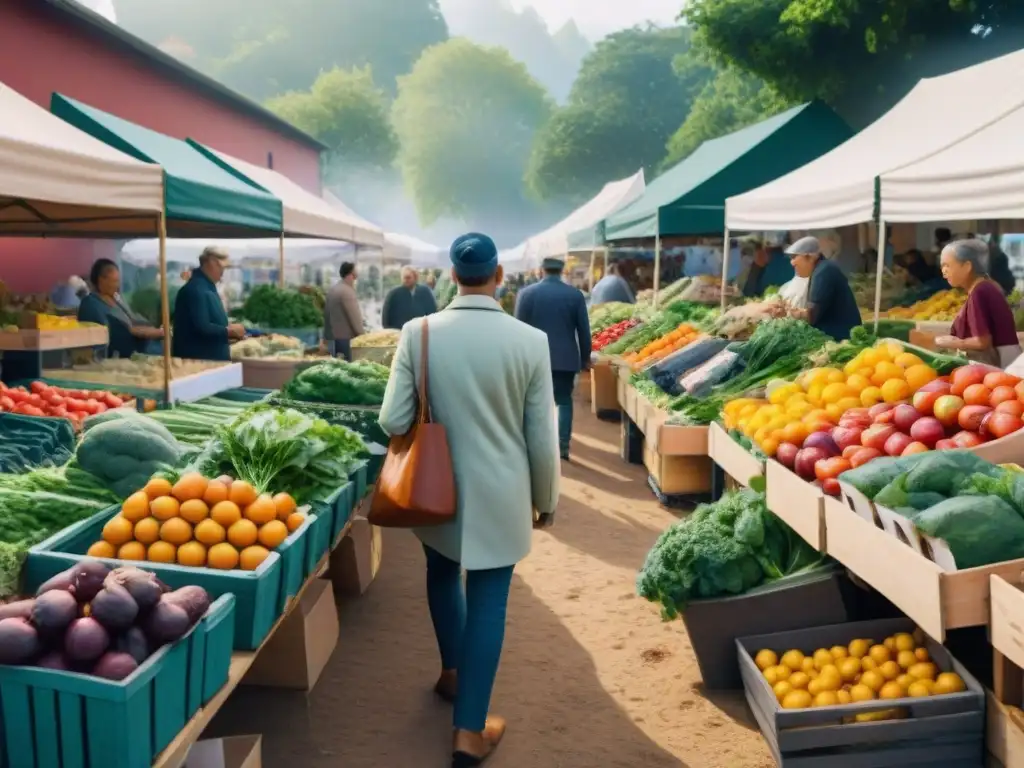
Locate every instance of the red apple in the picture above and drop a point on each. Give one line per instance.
(925, 401)
(967, 439)
(864, 455)
(806, 458)
(830, 486)
(846, 437)
(852, 449)
(876, 435)
(1002, 424)
(928, 430)
(897, 443)
(947, 409)
(860, 421)
(915, 447)
(971, 416)
(785, 454)
(877, 410)
(937, 385)
(946, 445)
(966, 376)
(904, 417)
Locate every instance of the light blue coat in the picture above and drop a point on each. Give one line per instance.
(490, 386)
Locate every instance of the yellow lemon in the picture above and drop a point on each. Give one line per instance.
(879, 654)
(868, 663)
(907, 360)
(890, 670)
(858, 648)
(799, 681)
(839, 652)
(781, 688)
(919, 689)
(873, 679)
(782, 672)
(948, 682)
(771, 676)
(862, 692)
(822, 658)
(905, 680)
(792, 659)
(858, 383)
(815, 687)
(826, 699)
(891, 690)
(844, 696)
(923, 670)
(906, 659)
(807, 665)
(849, 668)
(895, 390)
(848, 403)
(922, 654)
(797, 700)
(871, 396)
(890, 642)
(766, 658)
(919, 375)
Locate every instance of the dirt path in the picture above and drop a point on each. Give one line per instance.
(590, 676)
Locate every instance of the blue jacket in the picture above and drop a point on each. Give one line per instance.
(611, 288)
(200, 322)
(560, 311)
(402, 305)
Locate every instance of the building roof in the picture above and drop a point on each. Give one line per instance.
(116, 36)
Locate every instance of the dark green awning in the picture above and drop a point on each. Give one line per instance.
(689, 198)
(200, 197)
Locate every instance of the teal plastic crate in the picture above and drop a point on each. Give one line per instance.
(359, 478)
(246, 394)
(54, 719)
(261, 594)
(319, 538)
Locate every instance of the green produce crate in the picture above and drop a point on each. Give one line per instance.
(360, 479)
(54, 719)
(260, 595)
(319, 537)
(246, 394)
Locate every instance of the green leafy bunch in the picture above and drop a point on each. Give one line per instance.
(341, 383)
(274, 307)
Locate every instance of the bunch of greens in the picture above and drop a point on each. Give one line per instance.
(272, 307)
(724, 548)
(606, 315)
(280, 449)
(339, 382)
(648, 389)
(659, 323)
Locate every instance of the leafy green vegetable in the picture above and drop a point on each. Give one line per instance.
(126, 453)
(979, 531)
(274, 307)
(341, 383)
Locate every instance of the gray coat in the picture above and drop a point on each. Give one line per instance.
(343, 320)
(559, 310)
(490, 386)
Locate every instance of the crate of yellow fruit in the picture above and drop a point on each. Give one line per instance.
(870, 693)
(219, 534)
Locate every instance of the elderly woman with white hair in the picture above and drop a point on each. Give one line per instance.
(407, 301)
(985, 327)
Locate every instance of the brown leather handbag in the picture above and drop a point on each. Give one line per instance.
(416, 486)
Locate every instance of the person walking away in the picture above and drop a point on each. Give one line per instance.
(407, 301)
(560, 311)
(831, 305)
(490, 387)
(612, 287)
(343, 320)
(201, 329)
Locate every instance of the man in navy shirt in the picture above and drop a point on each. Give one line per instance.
(831, 305)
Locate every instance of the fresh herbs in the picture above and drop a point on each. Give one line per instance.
(360, 383)
(272, 307)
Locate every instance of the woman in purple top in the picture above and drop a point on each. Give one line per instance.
(985, 327)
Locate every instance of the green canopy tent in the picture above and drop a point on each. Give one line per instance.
(689, 198)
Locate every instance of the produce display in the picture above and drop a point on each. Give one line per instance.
(274, 345)
(140, 371)
(673, 341)
(604, 316)
(943, 305)
(863, 286)
(660, 323)
(47, 322)
(342, 383)
(899, 667)
(27, 443)
(41, 399)
(97, 621)
(361, 420)
(670, 372)
(270, 306)
(612, 333)
(196, 423)
(221, 523)
(740, 322)
(386, 338)
(723, 548)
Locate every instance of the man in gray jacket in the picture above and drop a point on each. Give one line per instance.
(407, 302)
(343, 320)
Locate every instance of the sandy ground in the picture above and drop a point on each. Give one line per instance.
(590, 676)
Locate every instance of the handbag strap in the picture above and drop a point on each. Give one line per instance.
(424, 409)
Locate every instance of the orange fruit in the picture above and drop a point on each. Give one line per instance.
(176, 531)
(243, 533)
(191, 485)
(216, 492)
(133, 550)
(295, 519)
(210, 532)
(226, 513)
(136, 506)
(284, 504)
(161, 552)
(252, 558)
(222, 556)
(164, 508)
(147, 530)
(272, 534)
(242, 493)
(919, 375)
(102, 549)
(157, 487)
(193, 554)
(194, 510)
(118, 530)
(262, 510)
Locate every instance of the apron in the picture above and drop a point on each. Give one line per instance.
(1000, 357)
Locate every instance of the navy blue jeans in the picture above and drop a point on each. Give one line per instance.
(343, 348)
(470, 627)
(564, 383)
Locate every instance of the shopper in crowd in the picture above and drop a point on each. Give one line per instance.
(407, 301)
(999, 267)
(943, 237)
(490, 387)
(560, 311)
(984, 328)
(128, 332)
(343, 320)
(612, 287)
(831, 305)
(201, 327)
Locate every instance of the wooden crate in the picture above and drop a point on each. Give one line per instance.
(583, 385)
(603, 387)
(678, 475)
(37, 340)
(799, 503)
(732, 457)
(1004, 732)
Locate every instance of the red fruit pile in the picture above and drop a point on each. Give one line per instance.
(43, 400)
(613, 333)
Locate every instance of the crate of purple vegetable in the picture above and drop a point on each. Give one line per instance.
(105, 667)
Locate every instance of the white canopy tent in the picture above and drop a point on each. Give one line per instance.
(401, 248)
(58, 180)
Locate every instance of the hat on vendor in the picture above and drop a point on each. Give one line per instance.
(215, 252)
(805, 246)
(474, 255)
(551, 263)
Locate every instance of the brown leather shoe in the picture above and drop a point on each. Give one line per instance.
(472, 749)
(447, 687)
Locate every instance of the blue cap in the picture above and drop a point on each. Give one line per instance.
(474, 255)
(553, 262)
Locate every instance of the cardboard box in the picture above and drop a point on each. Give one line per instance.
(678, 475)
(799, 503)
(354, 564)
(603, 388)
(733, 457)
(231, 752)
(297, 653)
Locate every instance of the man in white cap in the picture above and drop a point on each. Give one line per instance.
(201, 327)
(831, 305)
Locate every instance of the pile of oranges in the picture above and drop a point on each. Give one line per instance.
(222, 523)
(662, 347)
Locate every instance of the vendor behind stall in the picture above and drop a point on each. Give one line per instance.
(985, 328)
(128, 332)
(771, 268)
(611, 287)
(201, 328)
(831, 306)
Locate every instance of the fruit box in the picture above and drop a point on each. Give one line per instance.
(732, 457)
(55, 719)
(799, 503)
(260, 595)
(935, 731)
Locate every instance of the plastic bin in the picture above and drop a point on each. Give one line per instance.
(246, 394)
(54, 719)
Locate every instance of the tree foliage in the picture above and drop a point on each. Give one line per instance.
(465, 117)
(625, 104)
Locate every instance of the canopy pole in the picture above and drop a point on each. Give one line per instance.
(657, 264)
(879, 271)
(165, 308)
(590, 277)
(726, 253)
(280, 260)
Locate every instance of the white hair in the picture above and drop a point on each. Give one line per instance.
(410, 271)
(973, 252)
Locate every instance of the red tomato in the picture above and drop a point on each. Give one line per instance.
(977, 394)
(36, 400)
(91, 406)
(849, 450)
(101, 407)
(1002, 424)
(864, 455)
(830, 485)
(1016, 407)
(111, 400)
(17, 394)
(74, 404)
(31, 410)
(1000, 379)
(825, 469)
(1002, 394)
(38, 387)
(6, 403)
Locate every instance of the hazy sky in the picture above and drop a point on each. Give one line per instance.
(599, 17)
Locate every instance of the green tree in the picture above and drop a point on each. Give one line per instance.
(625, 104)
(465, 117)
